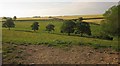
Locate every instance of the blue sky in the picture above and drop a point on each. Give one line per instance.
(52, 8)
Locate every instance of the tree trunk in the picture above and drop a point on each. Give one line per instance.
(8, 28)
(68, 34)
(81, 34)
(14, 20)
(34, 30)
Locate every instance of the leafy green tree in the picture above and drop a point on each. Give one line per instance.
(83, 27)
(9, 23)
(35, 26)
(50, 27)
(111, 24)
(68, 27)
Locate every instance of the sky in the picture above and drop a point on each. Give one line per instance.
(25, 8)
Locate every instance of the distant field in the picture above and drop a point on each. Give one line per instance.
(88, 17)
(77, 16)
(33, 19)
(96, 21)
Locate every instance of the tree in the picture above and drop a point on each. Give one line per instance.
(14, 18)
(83, 27)
(8, 23)
(111, 24)
(80, 19)
(68, 27)
(4, 17)
(35, 26)
(50, 27)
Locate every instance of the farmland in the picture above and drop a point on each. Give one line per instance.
(23, 36)
(94, 20)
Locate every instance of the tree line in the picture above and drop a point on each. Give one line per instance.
(69, 26)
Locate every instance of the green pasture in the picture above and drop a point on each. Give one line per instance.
(22, 34)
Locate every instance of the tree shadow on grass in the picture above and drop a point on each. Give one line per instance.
(85, 36)
(76, 35)
(26, 31)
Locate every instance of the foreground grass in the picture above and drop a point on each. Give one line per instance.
(22, 34)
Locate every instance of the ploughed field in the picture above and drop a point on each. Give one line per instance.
(23, 45)
(42, 54)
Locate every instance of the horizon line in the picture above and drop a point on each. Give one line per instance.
(51, 15)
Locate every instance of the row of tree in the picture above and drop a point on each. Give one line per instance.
(69, 26)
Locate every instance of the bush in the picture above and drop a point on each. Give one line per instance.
(105, 36)
(102, 36)
(50, 27)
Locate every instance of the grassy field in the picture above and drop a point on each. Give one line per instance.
(22, 34)
(23, 45)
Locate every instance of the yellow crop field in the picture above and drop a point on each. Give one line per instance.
(97, 21)
(77, 16)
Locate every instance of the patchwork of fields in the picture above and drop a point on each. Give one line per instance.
(93, 20)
